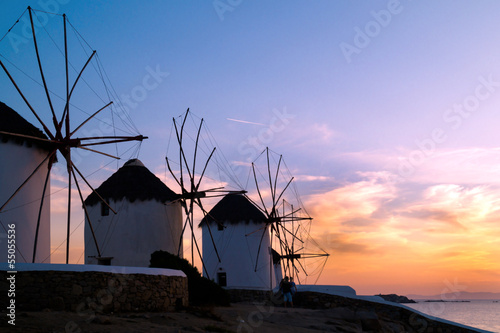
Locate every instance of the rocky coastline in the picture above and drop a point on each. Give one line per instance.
(396, 298)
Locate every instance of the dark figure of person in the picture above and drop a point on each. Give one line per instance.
(294, 286)
(286, 289)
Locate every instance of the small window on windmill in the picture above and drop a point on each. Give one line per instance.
(104, 209)
(222, 279)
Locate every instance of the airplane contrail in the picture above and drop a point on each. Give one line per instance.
(246, 122)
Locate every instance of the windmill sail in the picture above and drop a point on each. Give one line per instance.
(287, 219)
(188, 159)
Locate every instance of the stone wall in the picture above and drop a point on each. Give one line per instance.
(249, 295)
(98, 292)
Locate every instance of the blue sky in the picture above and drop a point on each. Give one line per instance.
(376, 133)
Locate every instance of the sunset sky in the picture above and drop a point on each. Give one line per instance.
(386, 113)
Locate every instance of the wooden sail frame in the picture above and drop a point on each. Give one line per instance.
(283, 225)
(191, 194)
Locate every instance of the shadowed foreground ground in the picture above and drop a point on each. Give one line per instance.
(256, 317)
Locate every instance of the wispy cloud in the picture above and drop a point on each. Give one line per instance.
(313, 178)
(246, 122)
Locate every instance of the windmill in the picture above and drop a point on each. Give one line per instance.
(287, 221)
(68, 98)
(191, 144)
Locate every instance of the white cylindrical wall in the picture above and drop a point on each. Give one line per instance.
(139, 229)
(18, 161)
(238, 248)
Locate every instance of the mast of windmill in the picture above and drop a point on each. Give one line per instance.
(192, 191)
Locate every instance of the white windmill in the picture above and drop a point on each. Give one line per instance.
(263, 235)
(27, 213)
(233, 221)
(65, 89)
(149, 217)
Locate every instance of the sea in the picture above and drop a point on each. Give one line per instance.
(483, 314)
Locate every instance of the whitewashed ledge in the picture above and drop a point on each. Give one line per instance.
(326, 289)
(26, 267)
(345, 291)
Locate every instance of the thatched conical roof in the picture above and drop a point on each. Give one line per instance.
(234, 209)
(13, 122)
(133, 181)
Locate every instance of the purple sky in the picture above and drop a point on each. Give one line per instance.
(385, 111)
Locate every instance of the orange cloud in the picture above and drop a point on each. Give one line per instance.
(380, 233)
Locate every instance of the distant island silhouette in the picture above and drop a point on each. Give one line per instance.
(458, 296)
(443, 301)
(396, 298)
